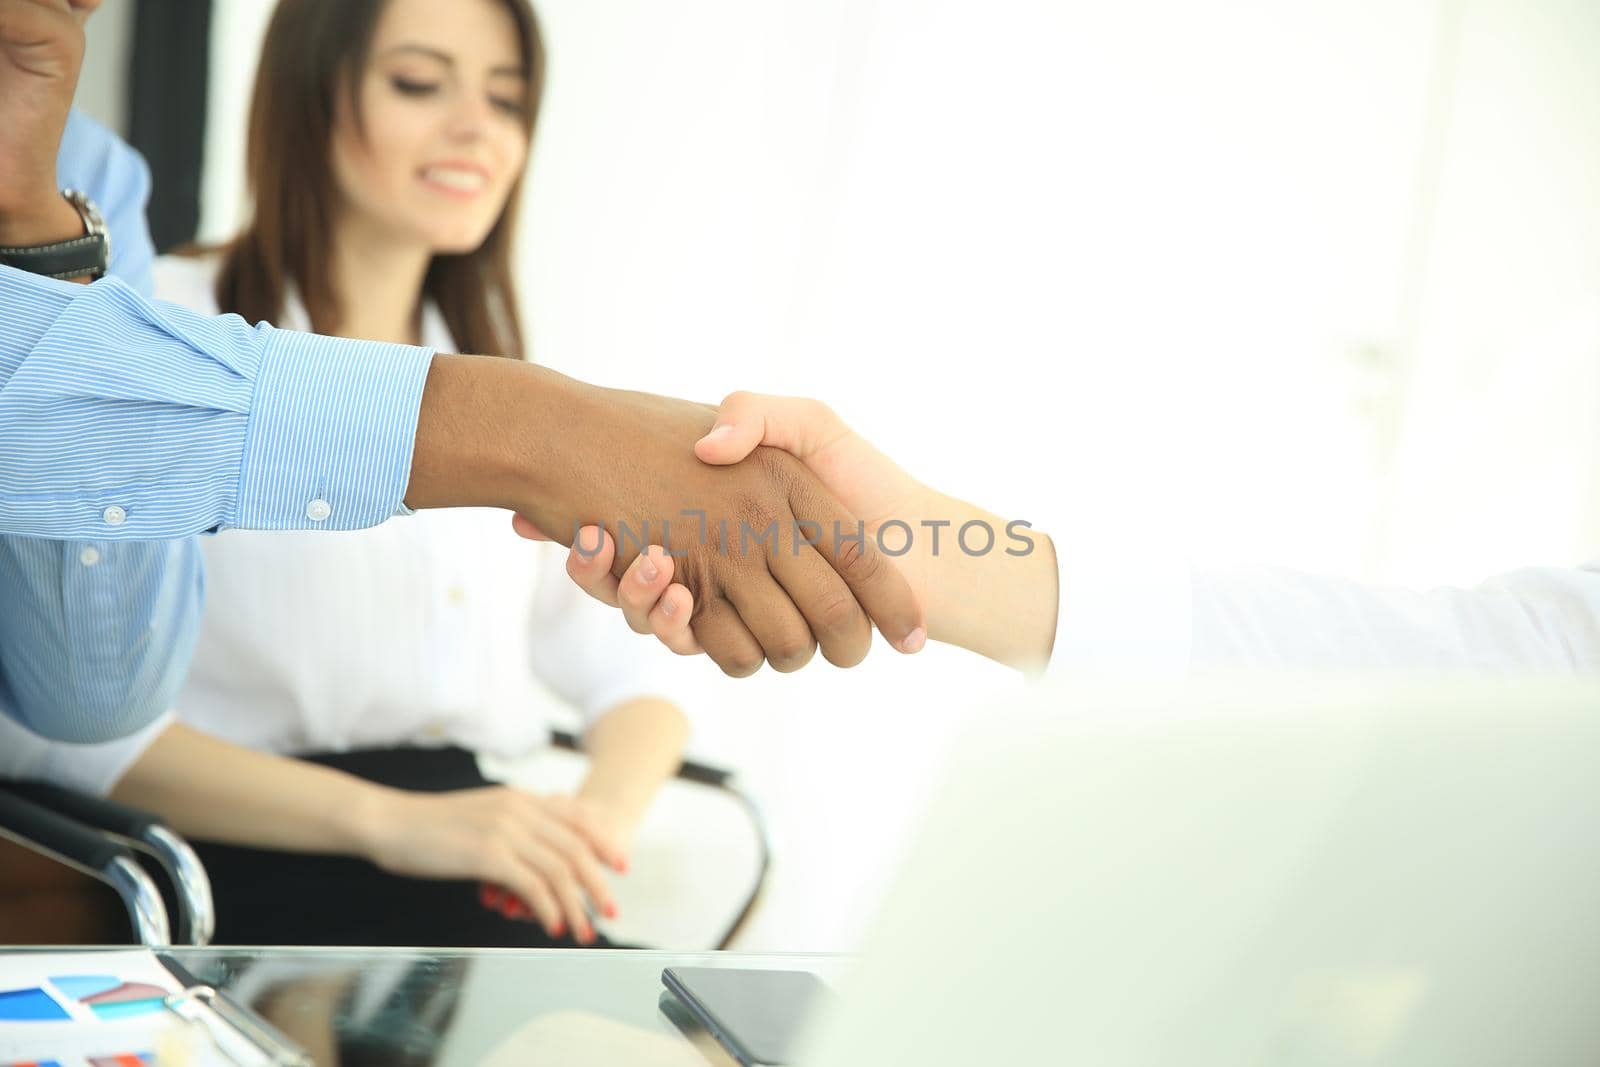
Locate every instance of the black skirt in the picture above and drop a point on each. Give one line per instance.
(291, 898)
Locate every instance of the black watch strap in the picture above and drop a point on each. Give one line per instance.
(88, 256)
(77, 257)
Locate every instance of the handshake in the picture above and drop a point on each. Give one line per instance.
(757, 532)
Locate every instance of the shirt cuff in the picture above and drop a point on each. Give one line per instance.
(331, 432)
(1123, 610)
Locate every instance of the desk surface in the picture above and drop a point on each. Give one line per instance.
(402, 1007)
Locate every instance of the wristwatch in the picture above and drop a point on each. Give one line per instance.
(76, 257)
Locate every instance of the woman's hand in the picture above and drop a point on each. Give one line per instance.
(612, 819)
(1000, 602)
(866, 481)
(550, 851)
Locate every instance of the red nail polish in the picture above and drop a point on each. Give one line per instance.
(558, 930)
(611, 911)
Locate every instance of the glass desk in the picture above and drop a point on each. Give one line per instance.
(495, 1007)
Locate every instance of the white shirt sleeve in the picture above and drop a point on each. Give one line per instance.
(93, 769)
(1539, 620)
(1157, 618)
(585, 652)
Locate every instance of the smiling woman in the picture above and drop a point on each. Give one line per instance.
(325, 750)
(396, 133)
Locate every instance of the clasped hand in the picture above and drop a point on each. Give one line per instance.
(776, 565)
(652, 592)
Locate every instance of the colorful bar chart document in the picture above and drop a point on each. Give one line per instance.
(93, 1009)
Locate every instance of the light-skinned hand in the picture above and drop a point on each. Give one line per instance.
(550, 852)
(1001, 604)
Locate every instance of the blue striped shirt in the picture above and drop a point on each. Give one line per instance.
(127, 426)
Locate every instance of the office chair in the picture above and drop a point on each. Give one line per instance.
(65, 831)
(60, 836)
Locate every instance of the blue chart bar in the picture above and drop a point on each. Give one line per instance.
(30, 1005)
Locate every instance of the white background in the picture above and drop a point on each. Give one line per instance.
(1314, 284)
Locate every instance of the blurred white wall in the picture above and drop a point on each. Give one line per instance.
(237, 27)
(1310, 284)
(1498, 448)
(103, 81)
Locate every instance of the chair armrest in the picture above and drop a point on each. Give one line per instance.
(91, 851)
(98, 812)
(30, 823)
(196, 909)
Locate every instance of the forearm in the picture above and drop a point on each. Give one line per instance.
(997, 604)
(213, 790)
(467, 450)
(633, 749)
(496, 432)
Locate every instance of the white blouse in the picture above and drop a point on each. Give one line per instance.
(439, 628)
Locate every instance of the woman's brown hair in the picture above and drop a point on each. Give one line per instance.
(314, 51)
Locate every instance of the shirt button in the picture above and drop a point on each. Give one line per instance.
(114, 516)
(435, 731)
(89, 556)
(457, 595)
(318, 510)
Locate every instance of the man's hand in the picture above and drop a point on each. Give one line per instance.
(41, 51)
(866, 482)
(1001, 604)
(775, 564)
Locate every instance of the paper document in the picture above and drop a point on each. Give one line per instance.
(95, 1009)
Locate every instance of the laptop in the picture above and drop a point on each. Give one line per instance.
(1301, 872)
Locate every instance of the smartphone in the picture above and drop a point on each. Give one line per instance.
(758, 1016)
